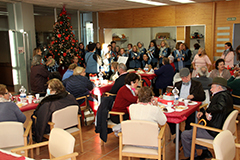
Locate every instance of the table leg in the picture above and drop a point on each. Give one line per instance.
(177, 142)
(196, 120)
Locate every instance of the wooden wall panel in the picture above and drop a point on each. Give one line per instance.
(180, 33)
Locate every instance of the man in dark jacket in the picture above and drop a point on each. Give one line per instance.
(120, 81)
(78, 84)
(188, 89)
(220, 107)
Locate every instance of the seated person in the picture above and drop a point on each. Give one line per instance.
(57, 99)
(69, 72)
(220, 107)
(171, 60)
(120, 81)
(51, 64)
(146, 61)
(126, 96)
(78, 84)
(145, 110)
(114, 75)
(220, 70)
(234, 83)
(9, 111)
(55, 75)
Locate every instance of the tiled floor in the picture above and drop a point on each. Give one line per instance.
(93, 150)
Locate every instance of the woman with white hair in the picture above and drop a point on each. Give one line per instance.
(200, 59)
(78, 84)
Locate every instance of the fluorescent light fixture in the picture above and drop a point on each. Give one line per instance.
(148, 2)
(183, 1)
(21, 30)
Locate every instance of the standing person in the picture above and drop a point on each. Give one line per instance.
(153, 53)
(113, 44)
(188, 89)
(234, 83)
(228, 55)
(117, 50)
(37, 51)
(91, 60)
(164, 51)
(187, 55)
(178, 56)
(114, 74)
(142, 50)
(200, 59)
(38, 76)
(220, 70)
(82, 53)
(75, 60)
(164, 77)
(9, 111)
(98, 49)
(134, 58)
(195, 51)
(220, 107)
(171, 62)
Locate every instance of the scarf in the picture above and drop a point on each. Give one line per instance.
(225, 53)
(150, 52)
(3, 100)
(161, 51)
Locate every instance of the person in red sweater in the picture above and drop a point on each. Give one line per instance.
(126, 96)
(171, 60)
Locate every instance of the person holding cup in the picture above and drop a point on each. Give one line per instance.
(9, 111)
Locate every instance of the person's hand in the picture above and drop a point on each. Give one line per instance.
(236, 74)
(136, 91)
(138, 57)
(182, 59)
(208, 116)
(178, 59)
(154, 101)
(190, 96)
(49, 62)
(133, 57)
(194, 68)
(199, 115)
(155, 68)
(160, 56)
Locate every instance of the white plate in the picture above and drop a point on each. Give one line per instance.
(179, 110)
(192, 103)
(20, 104)
(170, 110)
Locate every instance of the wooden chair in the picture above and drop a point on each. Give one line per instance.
(235, 106)
(229, 124)
(136, 134)
(12, 135)
(224, 146)
(109, 94)
(66, 118)
(83, 106)
(204, 106)
(60, 145)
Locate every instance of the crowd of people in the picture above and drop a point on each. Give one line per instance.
(189, 71)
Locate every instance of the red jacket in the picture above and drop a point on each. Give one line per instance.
(123, 100)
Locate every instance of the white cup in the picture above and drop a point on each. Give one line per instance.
(169, 104)
(30, 98)
(37, 95)
(186, 102)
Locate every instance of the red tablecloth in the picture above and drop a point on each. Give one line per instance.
(102, 89)
(148, 76)
(5, 156)
(29, 107)
(177, 117)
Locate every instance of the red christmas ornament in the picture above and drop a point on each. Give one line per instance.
(63, 40)
(73, 41)
(73, 35)
(77, 54)
(71, 32)
(70, 26)
(68, 35)
(61, 22)
(68, 17)
(82, 59)
(73, 44)
(59, 54)
(71, 47)
(55, 50)
(52, 43)
(79, 57)
(59, 35)
(64, 54)
(66, 29)
(66, 38)
(56, 41)
(63, 33)
(76, 40)
(60, 14)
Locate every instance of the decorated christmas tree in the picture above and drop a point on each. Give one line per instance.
(63, 44)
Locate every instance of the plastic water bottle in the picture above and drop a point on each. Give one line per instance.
(175, 92)
(146, 68)
(23, 94)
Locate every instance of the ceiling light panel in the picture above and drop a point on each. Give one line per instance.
(183, 1)
(148, 2)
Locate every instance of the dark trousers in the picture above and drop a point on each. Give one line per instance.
(190, 119)
(115, 118)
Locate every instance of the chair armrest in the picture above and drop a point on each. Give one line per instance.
(235, 96)
(75, 154)
(81, 97)
(237, 121)
(28, 129)
(162, 131)
(110, 94)
(29, 147)
(203, 106)
(118, 113)
(120, 134)
(34, 117)
(206, 127)
(51, 124)
(79, 115)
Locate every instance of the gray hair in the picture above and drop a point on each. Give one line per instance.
(122, 66)
(140, 43)
(36, 60)
(224, 88)
(202, 72)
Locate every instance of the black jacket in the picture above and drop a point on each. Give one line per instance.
(45, 109)
(120, 81)
(220, 107)
(196, 90)
(102, 117)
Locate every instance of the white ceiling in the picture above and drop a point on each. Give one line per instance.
(96, 5)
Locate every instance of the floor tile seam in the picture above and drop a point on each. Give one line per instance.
(108, 152)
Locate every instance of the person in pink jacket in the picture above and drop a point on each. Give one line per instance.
(228, 55)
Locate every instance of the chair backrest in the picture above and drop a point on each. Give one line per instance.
(230, 122)
(11, 134)
(138, 132)
(60, 142)
(224, 146)
(66, 117)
